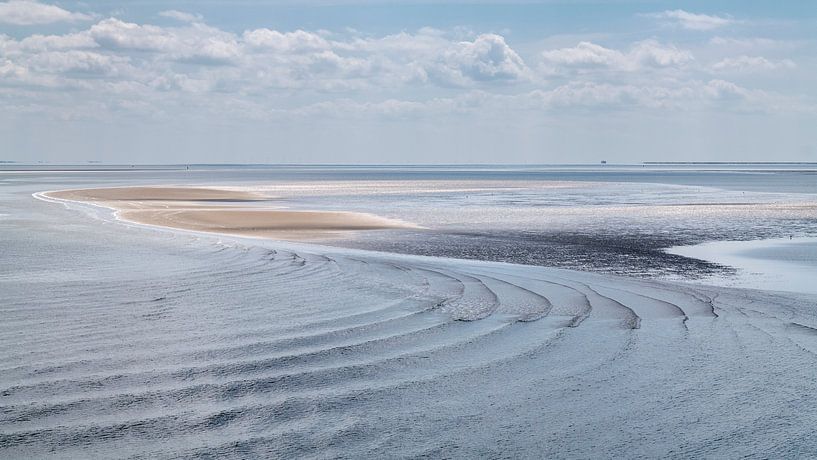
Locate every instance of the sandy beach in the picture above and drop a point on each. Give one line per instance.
(231, 212)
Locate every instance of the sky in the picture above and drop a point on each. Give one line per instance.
(357, 81)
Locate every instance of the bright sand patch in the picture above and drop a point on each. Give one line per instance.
(224, 211)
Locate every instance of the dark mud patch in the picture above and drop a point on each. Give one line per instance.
(634, 254)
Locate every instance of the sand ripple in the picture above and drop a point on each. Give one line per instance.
(284, 350)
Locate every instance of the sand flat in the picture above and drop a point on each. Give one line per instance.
(223, 211)
(279, 224)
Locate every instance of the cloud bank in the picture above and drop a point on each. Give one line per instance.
(27, 13)
(182, 70)
(692, 21)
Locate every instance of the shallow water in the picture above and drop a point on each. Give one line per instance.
(123, 341)
(783, 264)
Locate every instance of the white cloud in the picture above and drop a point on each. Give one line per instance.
(42, 43)
(181, 16)
(263, 72)
(16, 74)
(486, 58)
(195, 57)
(589, 56)
(587, 94)
(650, 53)
(692, 21)
(425, 57)
(745, 42)
(117, 34)
(752, 64)
(585, 54)
(29, 12)
(79, 61)
(720, 89)
(196, 42)
(10, 70)
(289, 42)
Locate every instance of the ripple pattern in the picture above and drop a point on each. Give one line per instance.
(213, 350)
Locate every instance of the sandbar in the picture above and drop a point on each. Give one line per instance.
(230, 212)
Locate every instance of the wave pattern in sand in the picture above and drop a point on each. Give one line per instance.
(226, 350)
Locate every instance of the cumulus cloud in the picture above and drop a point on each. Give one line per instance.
(10, 70)
(486, 58)
(642, 55)
(290, 42)
(721, 89)
(196, 42)
(586, 94)
(425, 57)
(745, 42)
(79, 61)
(752, 64)
(181, 16)
(265, 72)
(117, 34)
(692, 21)
(29, 12)
(41, 43)
(151, 67)
(651, 53)
(585, 54)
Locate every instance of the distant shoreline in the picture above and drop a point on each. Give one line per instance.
(12, 166)
(737, 163)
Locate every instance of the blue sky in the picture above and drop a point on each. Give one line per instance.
(411, 82)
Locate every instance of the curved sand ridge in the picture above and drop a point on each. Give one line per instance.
(224, 211)
(254, 351)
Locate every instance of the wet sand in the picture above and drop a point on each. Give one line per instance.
(231, 212)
